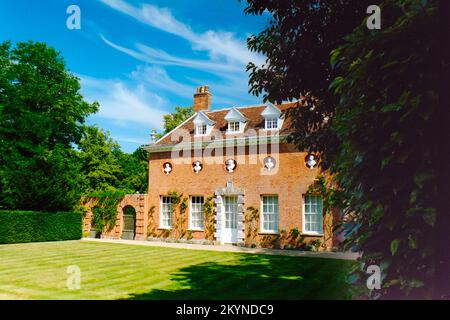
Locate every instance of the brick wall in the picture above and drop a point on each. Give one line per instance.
(138, 201)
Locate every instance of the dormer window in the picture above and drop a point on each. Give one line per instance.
(271, 123)
(272, 117)
(234, 127)
(202, 124)
(201, 129)
(236, 121)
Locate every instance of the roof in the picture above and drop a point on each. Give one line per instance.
(252, 113)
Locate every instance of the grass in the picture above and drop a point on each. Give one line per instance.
(117, 271)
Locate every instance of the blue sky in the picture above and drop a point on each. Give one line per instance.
(140, 59)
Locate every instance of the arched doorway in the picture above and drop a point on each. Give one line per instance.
(94, 232)
(129, 223)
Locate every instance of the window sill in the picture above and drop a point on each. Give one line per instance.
(312, 234)
(265, 233)
(165, 228)
(196, 230)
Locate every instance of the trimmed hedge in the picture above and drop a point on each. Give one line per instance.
(35, 226)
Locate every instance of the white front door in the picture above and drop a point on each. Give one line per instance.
(229, 230)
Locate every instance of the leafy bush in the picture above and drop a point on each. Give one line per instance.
(104, 208)
(35, 226)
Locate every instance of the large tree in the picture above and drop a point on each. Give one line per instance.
(49, 157)
(172, 120)
(134, 175)
(99, 165)
(105, 167)
(41, 119)
(372, 108)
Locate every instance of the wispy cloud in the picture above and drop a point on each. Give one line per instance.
(158, 78)
(219, 44)
(227, 53)
(155, 56)
(122, 104)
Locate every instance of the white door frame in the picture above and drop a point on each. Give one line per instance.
(229, 228)
(236, 234)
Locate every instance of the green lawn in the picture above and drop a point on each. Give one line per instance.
(117, 271)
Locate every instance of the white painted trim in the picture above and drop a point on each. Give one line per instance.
(272, 129)
(310, 233)
(161, 226)
(236, 141)
(160, 211)
(173, 130)
(203, 118)
(303, 213)
(242, 126)
(240, 117)
(271, 111)
(280, 122)
(223, 219)
(195, 130)
(190, 214)
(261, 217)
(317, 234)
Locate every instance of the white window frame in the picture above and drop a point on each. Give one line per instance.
(230, 209)
(232, 124)
(204, 128)
(319, 231)
(163, 210)
(272, 120)
(193, 205)
(275, 213)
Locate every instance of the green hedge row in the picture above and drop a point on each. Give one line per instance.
(34, 226)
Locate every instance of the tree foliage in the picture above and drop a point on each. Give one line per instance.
(41, 116)
(106, 167)
(49, 157)
(99, 166)
(134, 174)
(173, 119)
(371, 107)
(104, 208)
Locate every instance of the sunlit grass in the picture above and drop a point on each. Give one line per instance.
(117, 271)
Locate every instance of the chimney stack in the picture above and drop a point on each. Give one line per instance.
(202, 99)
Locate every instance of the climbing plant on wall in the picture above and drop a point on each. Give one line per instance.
(210, 228)
(104, 208)
(179, 206)
(332, 199)
(151, 228)
(251, 222)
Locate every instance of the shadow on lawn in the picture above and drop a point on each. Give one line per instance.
(259, 277)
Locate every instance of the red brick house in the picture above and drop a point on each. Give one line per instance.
(241, 182)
